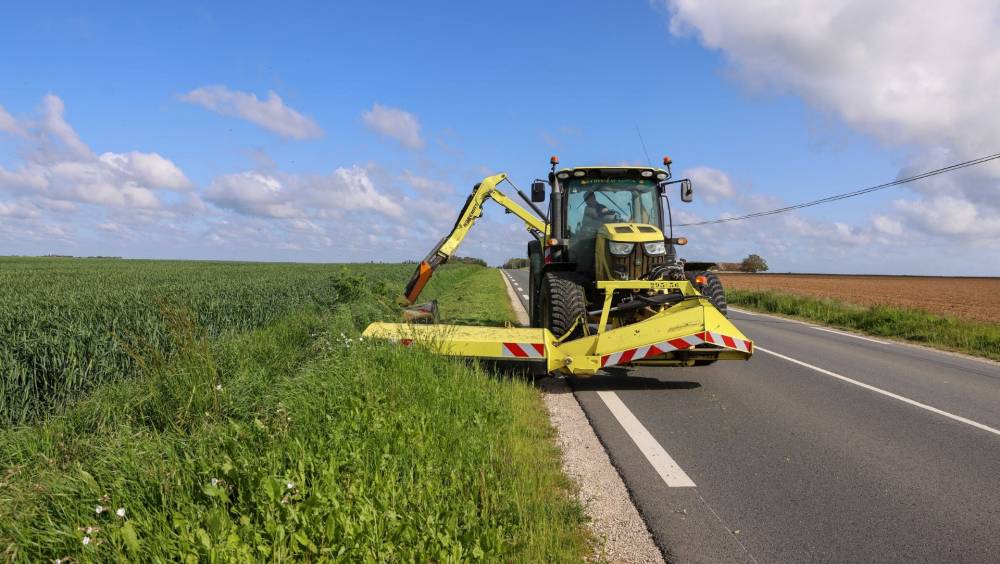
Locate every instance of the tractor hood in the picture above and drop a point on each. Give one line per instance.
(630, 232)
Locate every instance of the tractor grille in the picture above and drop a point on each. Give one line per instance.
(636, 264)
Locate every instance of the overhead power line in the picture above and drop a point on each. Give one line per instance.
(846, 195)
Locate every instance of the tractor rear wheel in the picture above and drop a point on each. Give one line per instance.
(715, 293)
(563, 302)
(712, 289)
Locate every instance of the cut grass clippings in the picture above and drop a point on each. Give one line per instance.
(971, 337)
(294, 441)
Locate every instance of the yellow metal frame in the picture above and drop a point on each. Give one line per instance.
(487, 189)
(473, 210)
(693, 319)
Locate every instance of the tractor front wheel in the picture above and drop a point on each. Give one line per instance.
(563, 302)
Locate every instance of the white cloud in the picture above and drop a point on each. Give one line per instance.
(906, 72)
(903, 70)
(54, 123)
(396, 124)
(949, 215)
(283, 195)
(17, 209)
(7, 122)
(833, 233)
(427, 185)
(887, 225)
(148, 169)
(710, 182)
(271, 114)
(252, 193)
(59, 168)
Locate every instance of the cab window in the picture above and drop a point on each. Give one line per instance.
(592, 202)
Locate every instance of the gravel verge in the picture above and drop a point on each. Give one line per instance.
(614, 519)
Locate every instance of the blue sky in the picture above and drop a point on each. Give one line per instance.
(383, 116)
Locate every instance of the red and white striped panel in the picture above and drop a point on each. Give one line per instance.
(640, 353)
(549, 254)
(524, 350)
(728, 342)
(681, 343)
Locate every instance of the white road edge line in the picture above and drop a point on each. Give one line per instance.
(914, 403)
(816, 327)
(664, 465)
(845, 334)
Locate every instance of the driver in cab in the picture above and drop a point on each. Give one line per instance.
(594, 214)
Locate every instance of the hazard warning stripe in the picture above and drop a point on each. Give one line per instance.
(729, 342)
(631, 355)
(640, 353)
(523, 350)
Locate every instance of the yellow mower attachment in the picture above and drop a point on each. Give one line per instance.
(688, 331)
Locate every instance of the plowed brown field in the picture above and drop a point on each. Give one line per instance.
(969, 298)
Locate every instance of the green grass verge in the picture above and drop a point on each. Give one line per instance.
(296, 441)
(470, 296)
(979, 339)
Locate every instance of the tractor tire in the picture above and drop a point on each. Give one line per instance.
(562, 303)
(712, 290)
(534, 277)
(716, 294)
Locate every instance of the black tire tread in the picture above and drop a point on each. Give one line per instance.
(563, 292)
(712, 290)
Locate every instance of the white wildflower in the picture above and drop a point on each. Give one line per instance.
(290, 486)
(215, 481)
(99, 509)
(86, 541)
(120, 512)
(218, 387)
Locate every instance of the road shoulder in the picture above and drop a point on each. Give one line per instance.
(614, 519)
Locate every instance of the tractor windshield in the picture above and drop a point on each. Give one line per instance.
(592, 202)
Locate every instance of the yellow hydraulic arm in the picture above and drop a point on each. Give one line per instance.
(472, 211)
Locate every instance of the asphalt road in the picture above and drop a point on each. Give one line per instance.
(828, 448)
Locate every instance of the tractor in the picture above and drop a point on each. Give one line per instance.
(606, 286)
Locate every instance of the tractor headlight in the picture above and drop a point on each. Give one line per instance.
(620, 248)
(655, 248)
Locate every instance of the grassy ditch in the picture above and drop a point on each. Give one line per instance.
(971, 337)
(296, 440)
(470, 296)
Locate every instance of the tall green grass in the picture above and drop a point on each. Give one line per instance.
(295, 440)
(980, 339)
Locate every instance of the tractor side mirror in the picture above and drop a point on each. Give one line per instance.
(687, 191)
(538, 191)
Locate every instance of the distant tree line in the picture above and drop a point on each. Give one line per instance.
(516, 263)
(753, 263)
(468, 260)
(463, 260)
